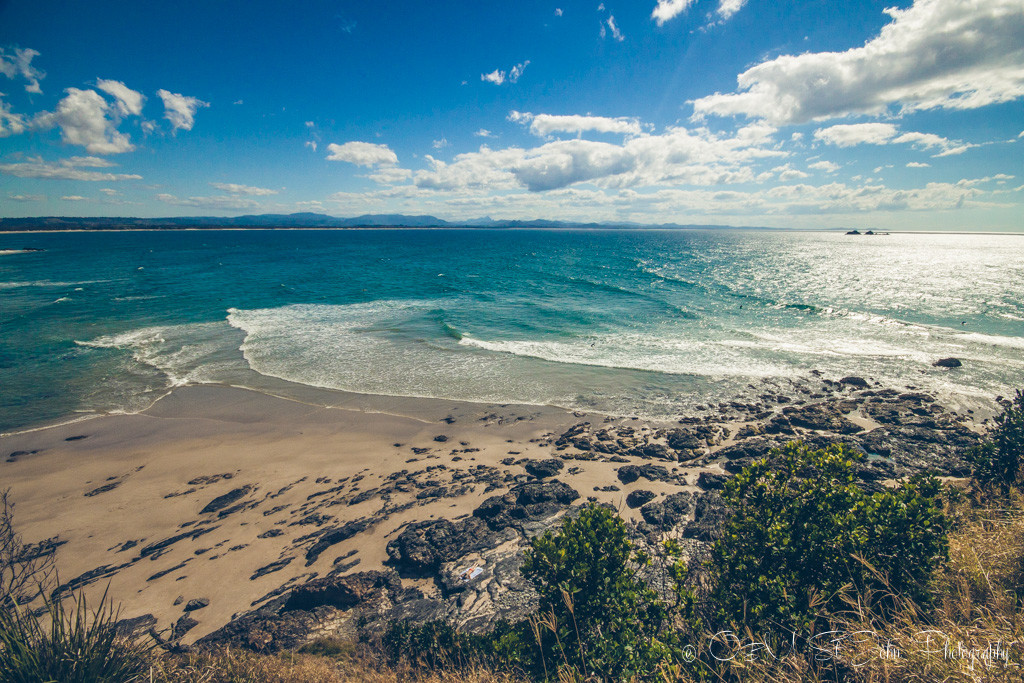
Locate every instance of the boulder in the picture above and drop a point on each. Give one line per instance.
(544, 468)
(639, 497)
(948, 363)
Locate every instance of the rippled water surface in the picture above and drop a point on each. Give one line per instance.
(649, 323)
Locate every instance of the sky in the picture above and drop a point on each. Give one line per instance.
(893, 114)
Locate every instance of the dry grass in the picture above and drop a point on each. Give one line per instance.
(326, 662)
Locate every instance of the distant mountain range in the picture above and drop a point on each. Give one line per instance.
(308, 220)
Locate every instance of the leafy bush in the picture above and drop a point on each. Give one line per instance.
(996, 464)
(802, 535)
(596, 615)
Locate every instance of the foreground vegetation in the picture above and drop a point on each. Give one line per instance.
(813, 579)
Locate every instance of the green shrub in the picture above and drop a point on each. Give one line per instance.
(596, 615)
(69, 646)
(996, 464)
(802, 536)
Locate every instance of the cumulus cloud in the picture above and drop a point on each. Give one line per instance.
(669, 9)
(129, 102)
(87, 120)
(10, 123)
(248, 190)
(826, 166)
(389, 175)
(543, 125)
(180, 110)
(918, 164)
(498, 76)
(677, 156)
(954, 54)
(18, 62)
(851, 134)
(67, 169)
(27, 197)
(558, 11)
(362, 154)
(484, 133)
(73, 198)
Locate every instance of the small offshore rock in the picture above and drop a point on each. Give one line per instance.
(948, 363)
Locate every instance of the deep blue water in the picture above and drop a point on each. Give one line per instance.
(649, 323)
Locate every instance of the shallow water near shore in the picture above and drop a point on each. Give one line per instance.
(650, 323)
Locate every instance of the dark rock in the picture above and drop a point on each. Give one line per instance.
(821, 417)
(630, 473)
(669, 511)
(196, 603)
(223, 501)
(183, 626)
(544, 468)
(154, 548)
(526, 503)
(710, 481)
(948, 363)
(344, 592)
(855, 382)
(329, 538)
(441, 438)
(423, 546)
(680, 439)
(271, 533)
(271, 568)
(639, 497)
(126, 628)
(709, 518)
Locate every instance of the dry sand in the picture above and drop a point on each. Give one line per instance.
(135, 480)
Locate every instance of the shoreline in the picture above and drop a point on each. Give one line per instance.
(236, 496)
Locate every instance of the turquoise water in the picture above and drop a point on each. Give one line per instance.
(650, 323)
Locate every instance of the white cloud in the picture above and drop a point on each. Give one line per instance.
(27, 197)
(390, 175)
(227, 203)
(86, 119)
(440, 144)
(545, 124)
(679, 156)
(787, 172)
(248, 190)
(851, 134)
(669, 9)
(10, 123)
(848, 135)
(558, 11)
(616, 33)
(727, 8)
(311, 144)
(498, 77)
(19, 63)
(484, 133)
(826, 166)
(180, 110)
(955, 54)
(362, 154)
(67, 169)
(918, 164)
(129, 102)
(109, 191)
(73, 198)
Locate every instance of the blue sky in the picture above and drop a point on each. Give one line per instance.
(814, 114)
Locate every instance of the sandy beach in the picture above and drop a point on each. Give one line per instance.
(225, 498)
(111, 488)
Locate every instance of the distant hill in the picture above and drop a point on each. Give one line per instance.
(307, 220)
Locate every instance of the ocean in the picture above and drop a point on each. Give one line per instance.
(651, 323)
